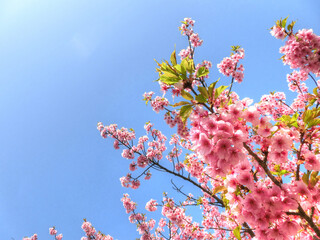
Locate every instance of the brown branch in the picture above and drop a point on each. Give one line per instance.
(262, 164)
(309, 220)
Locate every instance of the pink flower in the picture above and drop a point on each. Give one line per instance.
(312, 162)
(252, 115)
(301, 188)
(278, 157)
(52, 231)
(246, 179)
(278, 32)
(34, 237)
(151, 206)
(195, 40)
(59, 237)
(290, 227)
(281, 142)
(222, 148)
(204, 145)
(184, 53)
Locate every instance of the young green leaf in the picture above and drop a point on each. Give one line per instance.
(284, 22)
(313, 122)
(305, 178)
(185, 112)
(169, 80)
(307, 116)
(180, 104)
(181, 70)
(190, 66)
(186, 95)
(236, 232)
(201, 99)
(173, 58)
(219, 90)
(211, 87)
(219, 189)
(204, 92)
(202, 71)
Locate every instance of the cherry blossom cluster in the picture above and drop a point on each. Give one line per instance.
(302, 50)
(91, 232)
(173, 119)
(274, 105)
(151, 206)
(257, 162)
(148, 152)
(206, 64)
(278, 32)
(53, 231)
(184, 53)
(159, 103)
(34, 237)
(143, 226)
(195, 40)
(148, 96)
(218, 141)
(255, 167)
(229, 66)
(296, 81)
(186, 27)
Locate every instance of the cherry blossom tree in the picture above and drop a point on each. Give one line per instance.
(256, 165)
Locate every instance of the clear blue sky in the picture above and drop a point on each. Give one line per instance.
(65, 65)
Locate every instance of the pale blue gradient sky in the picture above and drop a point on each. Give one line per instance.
(65, 65)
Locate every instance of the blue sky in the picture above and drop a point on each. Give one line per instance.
(65, 65)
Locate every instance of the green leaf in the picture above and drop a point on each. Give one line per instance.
(219, 189)
(180, 104)
(190, 68)
(236, 232)
(235, 48)
(201, 99)
(314, 174)
(211, 87)
(283, 172)
(284, 22)
(187, 64)
(169, 80)
(225, 202)
(305, 178)
(314, 181)
(219, 90)
(307, 115)
(186, 95)
(184, 64)
(290, 26)
(199, 201)
(285, 118)
(185, 112)
(203, 91)
(313, 122)
(181, 70)
(311, 100)
(316, 112)
(290, 121)
(164, 66)
(170, 75)
(295, 116)
(173, 58)
(202, 71)
(314, 178)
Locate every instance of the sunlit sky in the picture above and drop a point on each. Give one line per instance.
(65, 65)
